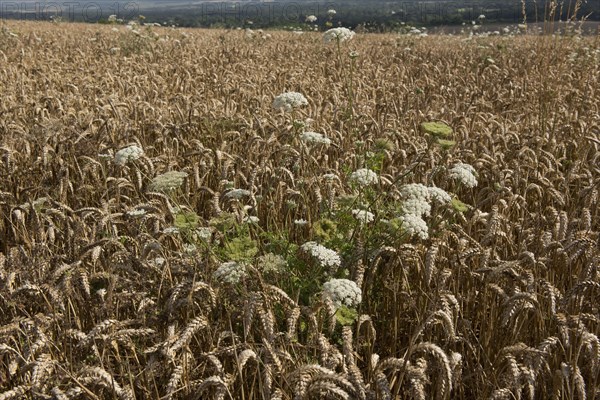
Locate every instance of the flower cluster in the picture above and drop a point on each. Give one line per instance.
(127, 154)
(251, 219)
(416, 204)
(416, 199)
(237, 193)
(326, 257)
(289, 100)
(204, 233)
(311, 18)
(230, 272)
(271, 262)
(465, 174)
(342, 292)
(363, 216)
(338, 35)
(364, 177)
(314, 137)
(138, 212)
(168, 181)
(414, 225)
(438, 195)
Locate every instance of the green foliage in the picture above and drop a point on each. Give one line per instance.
(224, 223)
(186, 220)
(446, 144)
(346, 316)
(459, 205)
(325, 230)
(437, 129)
(241, 248)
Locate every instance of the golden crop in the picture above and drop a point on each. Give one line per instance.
(107, 278)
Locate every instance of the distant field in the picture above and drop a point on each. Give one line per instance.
(239, 214)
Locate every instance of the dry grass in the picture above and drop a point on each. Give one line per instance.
(500, 302)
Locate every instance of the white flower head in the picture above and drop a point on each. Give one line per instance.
(127, 154)
(204, 233)
(363, 216)
(300, 222)
(415, 190)
(342, 292)
(311, 18)
(338, 34)
(364, 177)
(251, 220)
(465, 174)
(331, 12)
(230, 272)
(326, 257)
(271, 262)
(414, 225)
(168, 181)
(237, 193)
(138, 212)
(314, 138)
(190, 249)
(438, 195)
(416, 206)
(289, 101)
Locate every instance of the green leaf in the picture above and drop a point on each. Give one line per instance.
(224, 223)
(241, 248)
(325, 229)
(446, 144)
(437, 129)
(346, 316)
(186, 220)
(459, 205)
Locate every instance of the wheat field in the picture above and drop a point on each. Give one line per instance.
(167, 233)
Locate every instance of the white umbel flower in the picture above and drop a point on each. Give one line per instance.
(438, 195)
(414, 225)
(338, 34)
(416, 190)
(342, 292)
(204, 233)
(230, 272)
(465, 174)
(272, 263)
(364, 177)
(251, 219)
(363, 216)
(138, 212)
(130, 153)
(237, 193)
(314, 138)
(168, 181)
(310, 19)
(326, 257)
(416, 199)
(289, 100)
(416, 206)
